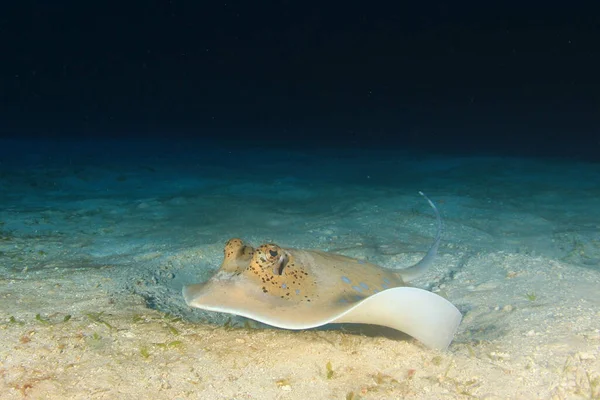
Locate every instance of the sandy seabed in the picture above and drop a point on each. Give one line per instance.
(91, 305)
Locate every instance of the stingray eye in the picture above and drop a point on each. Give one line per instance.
(280, 264)
(273, 253)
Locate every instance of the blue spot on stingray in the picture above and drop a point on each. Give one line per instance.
(364, 286)
(357, 288)
(357, 298)
(283, 286)
(297, 291)
(362, 262)
(343, 301)
(387, 281)
(385, 286)
(346, 280)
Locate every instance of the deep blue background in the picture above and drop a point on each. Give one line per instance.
(471, 77)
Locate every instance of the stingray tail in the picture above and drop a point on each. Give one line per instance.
(410, 273)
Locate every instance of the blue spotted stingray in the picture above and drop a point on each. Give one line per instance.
(301, 289)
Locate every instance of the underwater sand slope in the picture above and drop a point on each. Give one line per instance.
(84, 253)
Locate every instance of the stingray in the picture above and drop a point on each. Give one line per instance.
(301, 289)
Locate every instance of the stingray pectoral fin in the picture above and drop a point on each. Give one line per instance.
(424, 315)
(190, 292)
